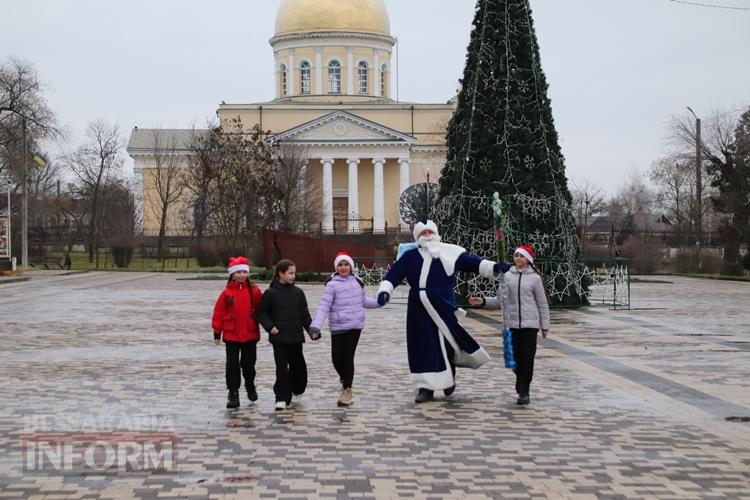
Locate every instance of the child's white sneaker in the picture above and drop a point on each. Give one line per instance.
(280, 406)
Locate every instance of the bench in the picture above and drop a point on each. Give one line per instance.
(47, 261)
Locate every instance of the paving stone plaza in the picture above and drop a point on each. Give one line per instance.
(647, 403)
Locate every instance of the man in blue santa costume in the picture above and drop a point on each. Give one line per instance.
(435, 340)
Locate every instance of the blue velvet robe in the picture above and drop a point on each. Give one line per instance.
(433, 313)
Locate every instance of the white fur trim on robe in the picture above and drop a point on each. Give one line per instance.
(387, 287)
(447, 253)
(487, 269)
(434, 381)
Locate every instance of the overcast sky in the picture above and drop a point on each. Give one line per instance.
(617, 69)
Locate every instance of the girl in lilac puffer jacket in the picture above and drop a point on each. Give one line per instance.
(344, 302)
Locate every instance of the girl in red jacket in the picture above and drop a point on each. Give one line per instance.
(234, 320)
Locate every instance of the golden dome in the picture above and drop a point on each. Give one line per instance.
(350, 16)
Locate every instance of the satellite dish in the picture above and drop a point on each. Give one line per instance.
(417, 202)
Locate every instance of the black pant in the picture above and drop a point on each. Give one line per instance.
(241, 356)
(343, 348)
(291, 371)
(450, 352)
(524, 350)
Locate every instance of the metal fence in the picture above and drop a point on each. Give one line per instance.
(610, 284)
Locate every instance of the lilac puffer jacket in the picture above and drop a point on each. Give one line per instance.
(344, 302)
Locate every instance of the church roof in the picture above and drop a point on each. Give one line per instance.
(346, 16)
(143, 140)
(341, 128)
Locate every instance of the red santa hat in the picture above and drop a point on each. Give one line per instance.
(527, 252)
(343, 256)
(238, 264)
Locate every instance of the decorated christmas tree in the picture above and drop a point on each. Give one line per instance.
(502, 139)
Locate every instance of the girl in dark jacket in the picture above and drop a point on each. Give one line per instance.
(284, 315)
(234, 320)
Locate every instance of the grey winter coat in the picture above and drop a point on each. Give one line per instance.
(527, 302)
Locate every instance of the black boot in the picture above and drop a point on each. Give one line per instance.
(233, 400)
(423, 396)
(252, 395)
(524, 399)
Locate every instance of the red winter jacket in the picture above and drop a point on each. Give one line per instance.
(234, 313)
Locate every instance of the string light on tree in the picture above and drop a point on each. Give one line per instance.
(502, 139)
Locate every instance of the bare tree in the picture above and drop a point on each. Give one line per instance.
(588, 202)
(240, 182)
(240, 194)
(634, 197)
(22, 99)
(118, 221)
(674, 181)
(725, 143)
(201, 178)
(168, 181)
(95, 164)
(296, 199)
(70, 217)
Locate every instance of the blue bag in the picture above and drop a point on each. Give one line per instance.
(510, 359)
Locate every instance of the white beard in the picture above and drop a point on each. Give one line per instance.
(431, 244)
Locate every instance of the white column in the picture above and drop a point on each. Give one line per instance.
(376, 73)
(404, 182)
(353, 194)
(303, 183)
(290, 75)
(350, 64)
(379, 195)
(327, 194)
(139, 198)
(276, 72)
(319, 71)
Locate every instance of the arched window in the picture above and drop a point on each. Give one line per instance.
(334, 77)
(383, 71)
(362, 77)
(282, 76)
(305, 77)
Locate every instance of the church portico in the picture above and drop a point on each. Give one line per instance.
(370, 184)
(365, 160)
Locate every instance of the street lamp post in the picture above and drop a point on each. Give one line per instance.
(24, 200)
(698, 186)
(585, 230)
(9, 239)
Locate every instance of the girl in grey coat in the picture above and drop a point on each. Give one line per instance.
(526, 313)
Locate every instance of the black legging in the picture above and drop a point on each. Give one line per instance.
(241, 357)
(524, 350)
(343, 348)
(291, 371)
